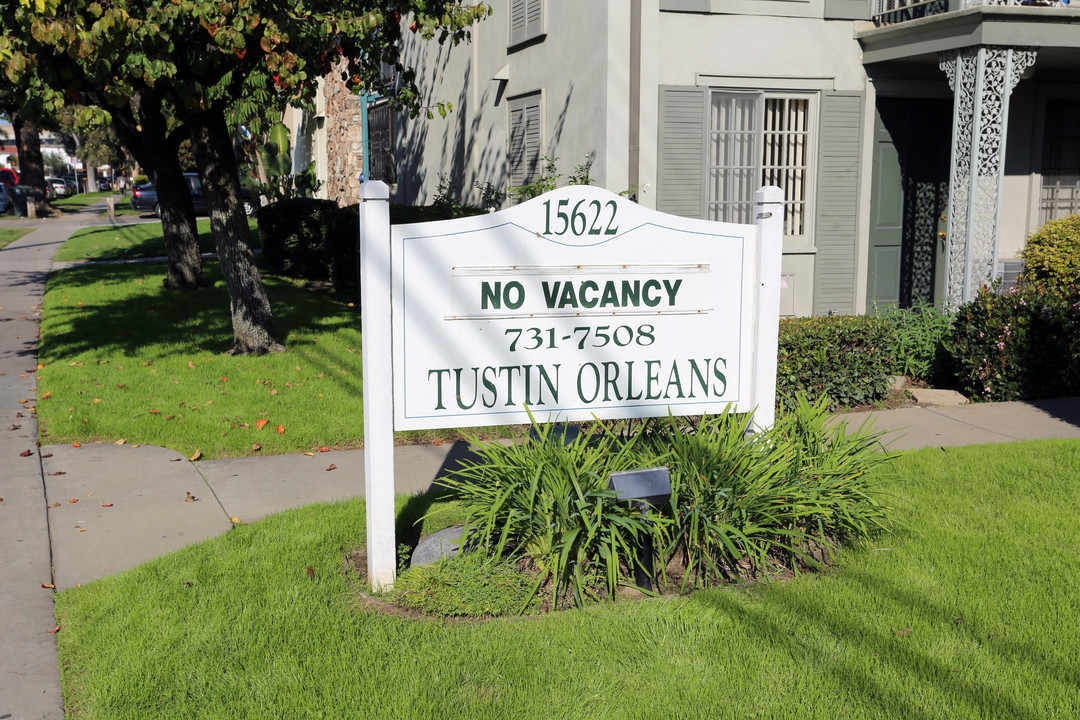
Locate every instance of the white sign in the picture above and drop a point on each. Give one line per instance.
(575, 305)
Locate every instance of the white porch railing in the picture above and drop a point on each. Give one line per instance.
(886, 11)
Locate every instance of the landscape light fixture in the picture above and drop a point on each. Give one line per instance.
(642, 488)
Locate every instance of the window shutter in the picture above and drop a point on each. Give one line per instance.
(526, 139)
(526, 20)
(837, 199)
(680, 177)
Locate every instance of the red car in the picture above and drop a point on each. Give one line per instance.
(9, 176)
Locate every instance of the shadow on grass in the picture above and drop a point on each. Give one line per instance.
(141, 319)
(873, 657)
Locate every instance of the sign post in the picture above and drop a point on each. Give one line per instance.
(575, 305)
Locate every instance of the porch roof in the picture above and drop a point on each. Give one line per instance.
(1054, 31)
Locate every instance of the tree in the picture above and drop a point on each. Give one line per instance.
(212, 61)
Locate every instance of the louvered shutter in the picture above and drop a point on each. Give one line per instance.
(526, 20)
(680, 177)
(526, 139)
(837, 199)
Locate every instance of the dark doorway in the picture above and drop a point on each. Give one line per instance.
(909, 200)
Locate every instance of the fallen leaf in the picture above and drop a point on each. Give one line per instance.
(176, 459)
(261, 423)
(196, 456)
(121, 441)
(55, 505)
(54, 630)
(332, 467)
(26, 453)
(190, 498)
(58, 472)
(324, 449)
(73, 500)
(273, 392)
(97, 400)
(235, 520)
(48, 586)
(311, 572)
(153, 412)
(46, 455)
(190, 364)
(256, 447)
(15, 427)
(82, 529)
(46, 396)
(280, 429)
(75, 444)
(310, 454)
(106, 504)
(223, 378)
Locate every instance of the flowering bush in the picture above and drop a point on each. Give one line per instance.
(1024, 342)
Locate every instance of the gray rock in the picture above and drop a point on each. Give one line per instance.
(445, 543)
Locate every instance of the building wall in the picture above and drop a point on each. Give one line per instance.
(569, 67)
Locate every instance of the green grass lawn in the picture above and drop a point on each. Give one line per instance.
(10, 235)
(125, 359)
(972, 612)
(124, 242)
(82, 200)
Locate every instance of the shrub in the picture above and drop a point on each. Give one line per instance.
(920, 333)
(1024, 342)
(312, 239)
(746, 505)
(1052, 255)
(847, 359)
(546, 498)
(740, 505)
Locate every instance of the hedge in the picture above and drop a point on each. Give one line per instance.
(844, 358)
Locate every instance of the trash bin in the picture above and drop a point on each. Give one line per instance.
(19, 195)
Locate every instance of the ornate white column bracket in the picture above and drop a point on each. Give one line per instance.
(982, 79)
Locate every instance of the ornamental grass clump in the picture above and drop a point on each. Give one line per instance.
(545, 498)
(742, 505)
(747, 505)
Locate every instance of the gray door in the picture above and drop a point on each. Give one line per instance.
(909, 199)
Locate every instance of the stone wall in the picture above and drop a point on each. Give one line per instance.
(344, 140)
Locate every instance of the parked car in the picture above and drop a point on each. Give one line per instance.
(9, 176)
(59, 187)
(72, 185)
(144, 198)
(6, 203)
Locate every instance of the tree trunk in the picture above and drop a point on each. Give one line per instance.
(147, 140)
(252, 320)
(31, 165)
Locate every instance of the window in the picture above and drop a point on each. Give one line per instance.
(381, 143)
(759, 139)
(526, 20)
(1060, 196)
(525, 139)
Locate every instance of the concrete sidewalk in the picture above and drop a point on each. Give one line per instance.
(116, 506)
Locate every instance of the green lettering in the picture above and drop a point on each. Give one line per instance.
(611, 379)
(652, 378)
(509, 370)
(490, 294)
(611, 296)
(697, 374)
(672, 289)
(720, 376)
(630, 382)
(438, 386)
(596, 382)
(550, 293)
(457, 386)
(650, 285)
(631, 293)
(568, 297)
(587, 302)
(490, 387)
(674, 379)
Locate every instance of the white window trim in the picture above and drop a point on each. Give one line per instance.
(814, 120)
